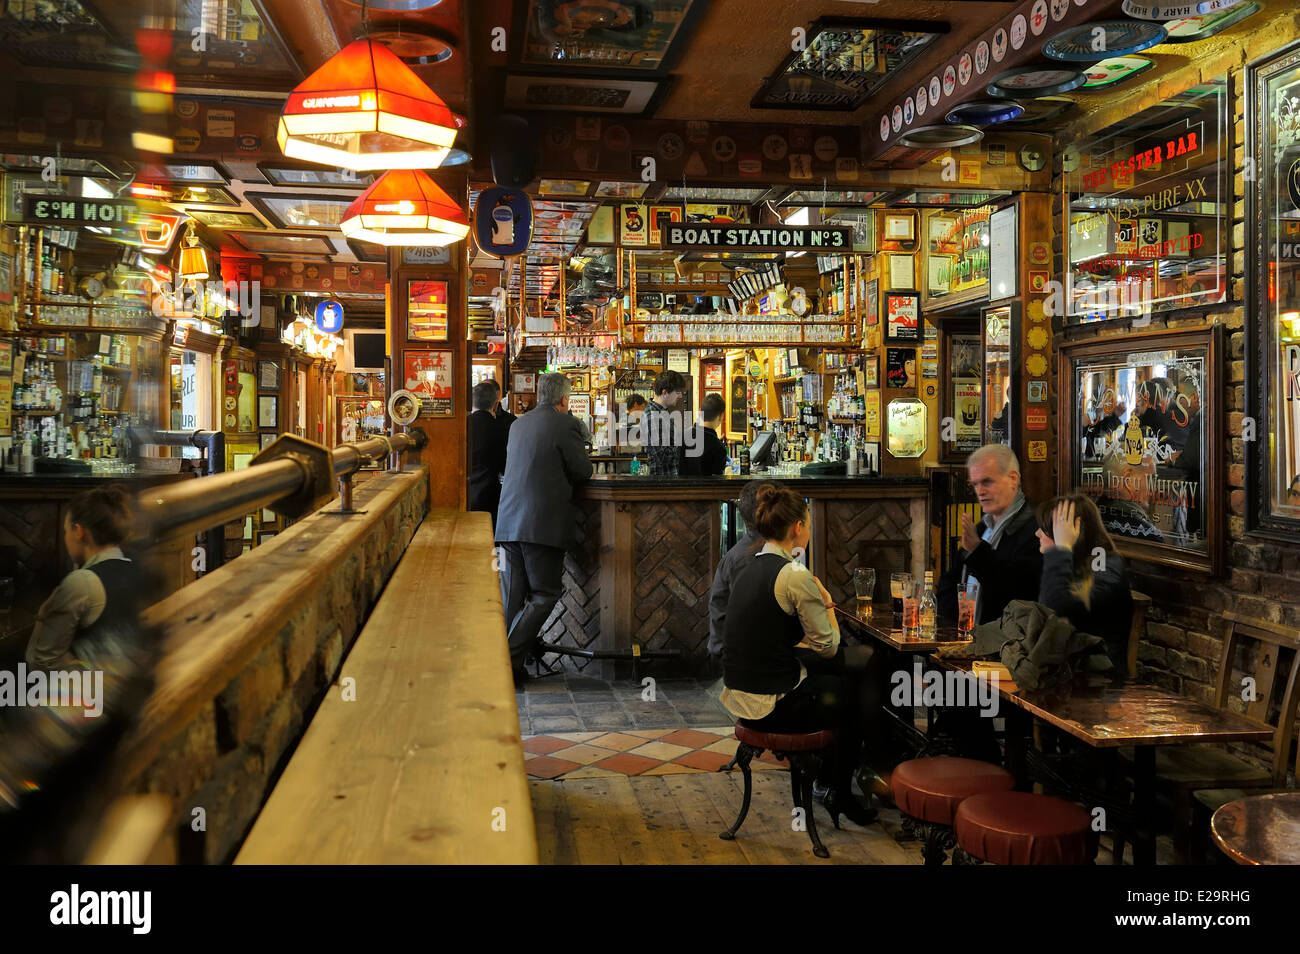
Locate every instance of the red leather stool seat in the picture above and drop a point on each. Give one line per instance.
(1021, 828)
(931, 789)
(784, 741)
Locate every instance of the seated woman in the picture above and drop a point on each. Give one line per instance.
(1084, 578)
(778, 608)
(97, 604)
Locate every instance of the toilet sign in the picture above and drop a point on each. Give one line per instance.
(503, 221)
(329, 316)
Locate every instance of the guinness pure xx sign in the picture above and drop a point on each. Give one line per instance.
(754, 237)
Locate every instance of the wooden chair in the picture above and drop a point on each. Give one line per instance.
(1137, 629)
(1184, 771)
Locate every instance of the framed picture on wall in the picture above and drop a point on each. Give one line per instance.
(713, 377)
(900, 227)
(525, 383)
(429, 375)
(268, 376)
(902, 270)
(268, 439)
(1140, 425)
(580, 381)
(268, 410)
(524, 402)
(871, 302)
(426, 310)
(871, 371)
(902, 316)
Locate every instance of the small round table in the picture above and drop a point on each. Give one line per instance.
(1259, 830)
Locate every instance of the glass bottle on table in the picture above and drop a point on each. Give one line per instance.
(900, 584)
(929, 608)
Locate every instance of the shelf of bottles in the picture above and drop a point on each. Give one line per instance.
(49, 298)
(70, 398)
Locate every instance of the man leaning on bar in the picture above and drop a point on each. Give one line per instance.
(546, 459)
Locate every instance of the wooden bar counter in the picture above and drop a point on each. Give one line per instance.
(642, 573)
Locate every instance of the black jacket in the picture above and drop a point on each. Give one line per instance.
(1011, 572)
(712, 460)
(1109, 613)
(546, 460)
(487, 461)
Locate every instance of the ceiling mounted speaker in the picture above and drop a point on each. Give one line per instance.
(415, 45)
(940, 137)
(512, 152)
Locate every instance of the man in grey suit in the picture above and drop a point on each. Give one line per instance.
(545, 459)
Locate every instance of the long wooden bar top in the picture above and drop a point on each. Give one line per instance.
(882, 627)
(728, 487)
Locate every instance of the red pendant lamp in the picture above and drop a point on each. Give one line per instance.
(405, 207)
(365, 109)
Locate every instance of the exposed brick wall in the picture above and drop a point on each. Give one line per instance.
(1184, 640)
(226, 758)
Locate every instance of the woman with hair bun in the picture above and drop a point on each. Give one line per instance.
(777, 610)
(101, 596)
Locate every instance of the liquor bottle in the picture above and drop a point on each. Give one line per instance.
(929, 608)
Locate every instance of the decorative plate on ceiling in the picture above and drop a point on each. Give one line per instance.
(940, 137)
(1043, 109)
(1095, 41)
(1190, 29)
(985, 112)
(1115, 70)
(1034, 81)
(1144, 10)
(416, 45)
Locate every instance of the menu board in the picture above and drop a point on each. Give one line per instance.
(426, 310)
(1148, 203)
(1141, 442)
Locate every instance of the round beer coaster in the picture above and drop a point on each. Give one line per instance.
(1095, 41)
(985, 112)
(940, 137)
(1034, 81)
(1190, 29)
(1116, 70)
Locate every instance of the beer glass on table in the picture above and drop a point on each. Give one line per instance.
(864, 587)
(912, 611)
(900, 585)
(965, 614)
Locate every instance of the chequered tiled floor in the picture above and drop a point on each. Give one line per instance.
(567, 703)
(635, 752)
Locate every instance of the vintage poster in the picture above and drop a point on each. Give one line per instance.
(871, 418)
(659, 214)
(6, 403)
(426, 311)
(633, 227)
(905, 427)
(902, 312)
(430, 376)
(967, 396)
(900, 368)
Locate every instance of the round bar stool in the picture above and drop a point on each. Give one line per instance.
(1021, 828)
(803, 750)
(929, 791)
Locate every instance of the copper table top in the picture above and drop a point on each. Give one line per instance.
(1124, 712)
(1260, 830)
(881, 627)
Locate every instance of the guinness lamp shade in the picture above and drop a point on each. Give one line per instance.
(405, 207)
(365, 109)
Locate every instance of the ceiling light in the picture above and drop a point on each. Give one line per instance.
(366, 109)
(405, 207)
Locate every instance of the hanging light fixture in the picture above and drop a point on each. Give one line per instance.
(194, 259)
(366, 109)
(405, 207)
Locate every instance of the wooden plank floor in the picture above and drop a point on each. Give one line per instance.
(675, 820)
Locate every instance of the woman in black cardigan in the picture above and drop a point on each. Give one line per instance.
(1084, 578)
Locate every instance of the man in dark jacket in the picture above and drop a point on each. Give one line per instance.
(487, 450)
(662, 425)
(1001, 554)
(712, 459)
(536, 521)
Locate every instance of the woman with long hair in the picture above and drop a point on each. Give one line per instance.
(781, 663)
(1084, 578)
